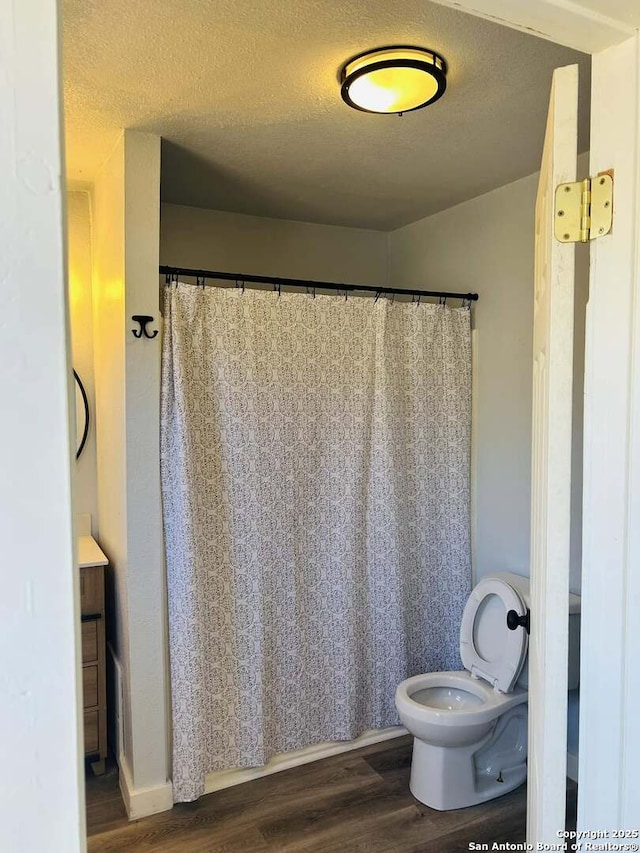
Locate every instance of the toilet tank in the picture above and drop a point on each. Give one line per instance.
(521, 585)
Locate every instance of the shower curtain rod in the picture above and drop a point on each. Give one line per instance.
(321, 285)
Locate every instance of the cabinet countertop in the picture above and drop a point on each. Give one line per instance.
(89, 553)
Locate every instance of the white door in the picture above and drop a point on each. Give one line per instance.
(551, 473)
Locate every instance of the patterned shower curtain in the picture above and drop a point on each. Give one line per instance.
(315, 482)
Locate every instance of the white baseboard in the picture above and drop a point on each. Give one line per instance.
(142, 802)
(572, 766)
(220, 779)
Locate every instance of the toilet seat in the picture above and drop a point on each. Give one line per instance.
(488, 649)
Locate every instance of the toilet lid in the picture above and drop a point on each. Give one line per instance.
(488, 649)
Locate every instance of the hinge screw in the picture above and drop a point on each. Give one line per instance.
(561, 213)
(567, 189)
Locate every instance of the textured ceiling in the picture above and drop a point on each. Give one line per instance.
(246, 98)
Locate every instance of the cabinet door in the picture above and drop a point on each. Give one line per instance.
(90, 641)
(91, 736)
(90, 690)
(91, 590)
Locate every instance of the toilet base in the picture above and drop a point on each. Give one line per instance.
(445, 777)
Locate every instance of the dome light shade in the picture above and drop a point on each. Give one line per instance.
(393, 80)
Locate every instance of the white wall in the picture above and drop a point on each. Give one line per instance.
(85, 494)
(231, 242)
(42, 804)
(125, 281)
(146, 590)
(486, 245)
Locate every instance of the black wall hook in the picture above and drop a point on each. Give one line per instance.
(143, 320)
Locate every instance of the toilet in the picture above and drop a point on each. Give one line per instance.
(470, 728)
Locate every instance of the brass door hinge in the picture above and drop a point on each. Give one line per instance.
(584, 209)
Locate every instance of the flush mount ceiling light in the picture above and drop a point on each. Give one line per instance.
(393, 80)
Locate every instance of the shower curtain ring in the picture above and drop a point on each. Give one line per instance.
(378, 292)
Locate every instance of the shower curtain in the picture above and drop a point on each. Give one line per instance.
(315, 483)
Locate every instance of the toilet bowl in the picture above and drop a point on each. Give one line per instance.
(470, 727)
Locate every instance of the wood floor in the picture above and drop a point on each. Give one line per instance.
(358, 802)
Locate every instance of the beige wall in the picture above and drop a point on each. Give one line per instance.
(85, 496)
(231, 242)
(486, 245)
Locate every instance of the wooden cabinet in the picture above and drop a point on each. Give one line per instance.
(94, 686)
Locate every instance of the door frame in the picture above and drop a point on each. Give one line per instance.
(610, 590)
(586, 25)
(609, 742)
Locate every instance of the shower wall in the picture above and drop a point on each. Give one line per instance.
(232, 242)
